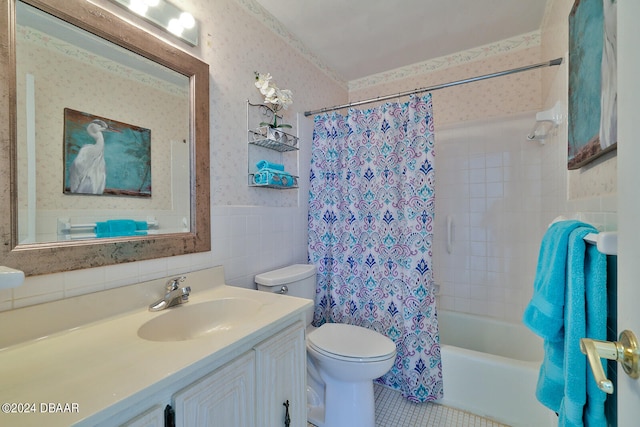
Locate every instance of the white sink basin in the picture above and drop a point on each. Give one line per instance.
(190, 321)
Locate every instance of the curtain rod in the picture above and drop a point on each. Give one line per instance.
(551, 63)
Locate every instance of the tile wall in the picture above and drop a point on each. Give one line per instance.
(488, 179)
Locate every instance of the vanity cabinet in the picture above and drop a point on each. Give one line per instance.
(248, 391)
(272, 145)
(281, 377)
(154, 417)
(224, 398)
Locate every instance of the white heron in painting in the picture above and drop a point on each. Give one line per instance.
(88, 172)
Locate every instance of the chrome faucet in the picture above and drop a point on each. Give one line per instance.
(175, 295)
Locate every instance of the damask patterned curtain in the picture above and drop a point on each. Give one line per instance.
(371, 208)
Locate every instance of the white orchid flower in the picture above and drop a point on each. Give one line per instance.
(263, 81)
(279, 98)
(270, 93)
(285, 97)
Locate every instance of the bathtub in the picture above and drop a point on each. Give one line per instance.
(490, 368)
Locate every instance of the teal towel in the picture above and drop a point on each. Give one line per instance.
(142, 226)
(545, 313)
(585, 316)
(275, 178)
(120, 228)
(569, 303)
(263, 164)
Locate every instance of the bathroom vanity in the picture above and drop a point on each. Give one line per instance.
(230, 356)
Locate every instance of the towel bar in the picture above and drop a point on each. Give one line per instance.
(606, 241)
(79, 231)
(65, 224)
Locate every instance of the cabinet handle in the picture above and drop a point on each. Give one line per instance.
(169, 416)
(287, 418)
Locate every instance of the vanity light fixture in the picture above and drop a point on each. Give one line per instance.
(166, 16)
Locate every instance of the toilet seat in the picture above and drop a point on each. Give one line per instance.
(351, 343)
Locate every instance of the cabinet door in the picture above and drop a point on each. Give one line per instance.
(224, 398)
(281, 367)
(154, 417)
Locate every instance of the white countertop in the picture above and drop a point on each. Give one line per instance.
(91, 370)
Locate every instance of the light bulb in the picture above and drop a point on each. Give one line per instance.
(187, 20)
(139, 7)
(175, 27)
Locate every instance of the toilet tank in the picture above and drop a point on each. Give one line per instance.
(299, 279)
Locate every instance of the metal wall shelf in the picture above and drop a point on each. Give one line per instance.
(280, 147)
(273, 139)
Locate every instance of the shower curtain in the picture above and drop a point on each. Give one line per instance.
(371, 209)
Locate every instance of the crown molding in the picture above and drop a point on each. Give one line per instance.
(523, 41)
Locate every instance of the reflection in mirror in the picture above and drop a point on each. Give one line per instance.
(61, 67)
(107, 128)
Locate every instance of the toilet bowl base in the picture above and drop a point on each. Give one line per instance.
(315, 406)
(349, 404)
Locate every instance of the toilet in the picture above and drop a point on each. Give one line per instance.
(342, 360)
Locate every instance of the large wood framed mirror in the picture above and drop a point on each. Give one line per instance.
(64, 57)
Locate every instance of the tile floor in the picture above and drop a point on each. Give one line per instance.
(392, 410)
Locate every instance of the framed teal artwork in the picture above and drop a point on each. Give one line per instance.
(592, 81)
(105, 157)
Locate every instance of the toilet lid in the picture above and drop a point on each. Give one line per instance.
(349, 341)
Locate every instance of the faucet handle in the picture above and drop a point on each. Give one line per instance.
(172, 284)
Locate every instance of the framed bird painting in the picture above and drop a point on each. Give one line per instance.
(105, 157)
